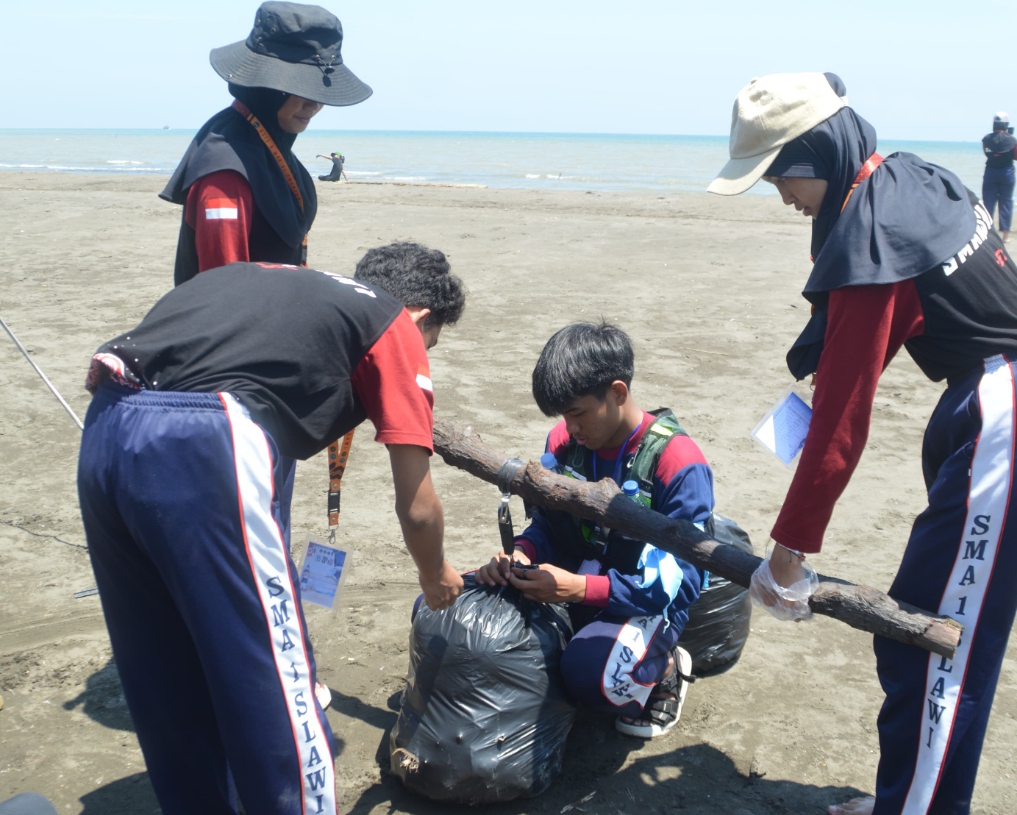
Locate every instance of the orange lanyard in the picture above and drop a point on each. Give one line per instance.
(273, 148)
(338, 455)
(868, 168)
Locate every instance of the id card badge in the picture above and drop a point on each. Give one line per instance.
(785, 426)
(323, 569)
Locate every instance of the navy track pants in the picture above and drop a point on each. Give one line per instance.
(961, 560)
(997, 187)
(186, 504)
(613, 663)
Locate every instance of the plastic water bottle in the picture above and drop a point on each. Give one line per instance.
(631, 490)
(549, 462)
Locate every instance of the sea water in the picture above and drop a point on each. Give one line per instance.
(543, 161)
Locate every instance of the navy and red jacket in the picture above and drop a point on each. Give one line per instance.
(682, 488)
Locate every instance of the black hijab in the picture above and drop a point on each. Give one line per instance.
(906, 218)
(227, 141)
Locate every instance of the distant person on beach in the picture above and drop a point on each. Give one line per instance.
(245, 194)
(1000, 148)
(337, 167)
(185, 481)
(904, 255)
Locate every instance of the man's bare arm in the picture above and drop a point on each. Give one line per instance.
(422, 520)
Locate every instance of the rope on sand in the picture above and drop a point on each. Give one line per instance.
(38, 370)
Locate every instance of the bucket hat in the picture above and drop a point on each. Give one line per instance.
(1000, 120)
(293, 48)
(768, 113)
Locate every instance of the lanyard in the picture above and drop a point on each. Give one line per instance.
(273, 148)
(870, 165)
(338, 454)
(618, 461)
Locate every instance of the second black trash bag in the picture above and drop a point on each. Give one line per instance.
(719, 620)
(484, 716)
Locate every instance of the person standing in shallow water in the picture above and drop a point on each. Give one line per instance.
(903, 255)
(246, 196)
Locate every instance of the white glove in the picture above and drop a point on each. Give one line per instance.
(790, 603)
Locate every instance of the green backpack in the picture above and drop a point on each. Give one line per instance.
(640, 468)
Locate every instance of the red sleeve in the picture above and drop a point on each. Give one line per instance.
(527, 546)
(866, 327)
(219, 209)
(393, 382)
(598, 589)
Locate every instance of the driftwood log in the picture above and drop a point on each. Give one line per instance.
(859, 606)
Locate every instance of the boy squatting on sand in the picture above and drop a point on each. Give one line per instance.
(628, 601)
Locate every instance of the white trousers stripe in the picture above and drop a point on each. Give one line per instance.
(988, 496)
(631, 643)
(266, 551)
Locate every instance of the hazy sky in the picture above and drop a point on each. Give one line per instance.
(917, 70)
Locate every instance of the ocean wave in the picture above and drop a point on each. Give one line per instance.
(92, 168)
(123, 161)
(554, 177)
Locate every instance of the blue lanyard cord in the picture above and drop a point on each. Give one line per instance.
(618, 461)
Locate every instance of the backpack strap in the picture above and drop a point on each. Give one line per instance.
(647, 458)
(576, 465)
(641, 469)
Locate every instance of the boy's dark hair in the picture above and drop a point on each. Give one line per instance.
(579, 360)
(417, 276)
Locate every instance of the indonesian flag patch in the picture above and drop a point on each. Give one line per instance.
(424, 379)
(220, 209)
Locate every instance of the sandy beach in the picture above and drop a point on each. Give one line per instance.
(709, 290)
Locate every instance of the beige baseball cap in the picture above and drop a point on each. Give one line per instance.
(768, 113)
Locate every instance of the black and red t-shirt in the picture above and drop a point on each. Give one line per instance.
(950, 319)
(310, 354)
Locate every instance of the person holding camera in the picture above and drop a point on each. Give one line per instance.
(1000, 148)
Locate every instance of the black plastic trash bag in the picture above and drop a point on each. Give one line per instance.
(484, 715)
(719, 620)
